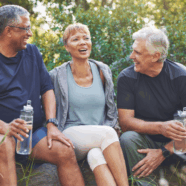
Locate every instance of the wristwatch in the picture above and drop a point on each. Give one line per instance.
(166, 153)
(52, 120)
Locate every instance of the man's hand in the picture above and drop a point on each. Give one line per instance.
(174, 130)
(148, 164)
(54, 134)
(16, 127)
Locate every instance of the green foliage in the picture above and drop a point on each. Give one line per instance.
(25, 173)
(28, 4)
(110, 29)
(171, 15)
(111, 23)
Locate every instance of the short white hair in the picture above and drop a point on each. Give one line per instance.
(156, 41)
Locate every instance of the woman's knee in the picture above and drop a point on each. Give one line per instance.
(110, 137)
(95, 158)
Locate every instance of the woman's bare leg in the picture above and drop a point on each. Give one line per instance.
(103, 176)
(116, 163)
(103, 137)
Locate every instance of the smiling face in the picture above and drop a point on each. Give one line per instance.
(142, 58)
(79, 45)
(19, 37)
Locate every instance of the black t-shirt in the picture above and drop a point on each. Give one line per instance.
(23, 77)
(153, 98)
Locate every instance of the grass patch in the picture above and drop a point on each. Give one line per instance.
(4, 137)
(133, 180)
(25, 172)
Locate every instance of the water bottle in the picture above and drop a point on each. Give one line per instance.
(180, 146)
(25, 147)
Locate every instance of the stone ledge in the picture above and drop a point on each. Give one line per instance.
(46, 175)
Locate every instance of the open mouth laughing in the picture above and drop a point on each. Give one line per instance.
(82, 50)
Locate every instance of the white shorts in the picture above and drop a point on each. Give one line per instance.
(87, 137)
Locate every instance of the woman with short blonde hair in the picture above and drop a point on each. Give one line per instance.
(86, 110)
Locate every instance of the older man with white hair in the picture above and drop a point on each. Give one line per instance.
(149, 93)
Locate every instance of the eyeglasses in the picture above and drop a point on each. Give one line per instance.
(22, 28)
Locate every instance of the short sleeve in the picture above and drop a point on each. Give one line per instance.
(45, 80)
(125, 94)
(181, 86)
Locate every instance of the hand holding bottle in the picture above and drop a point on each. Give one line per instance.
(16, 128)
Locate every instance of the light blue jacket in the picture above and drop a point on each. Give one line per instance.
(59, 79)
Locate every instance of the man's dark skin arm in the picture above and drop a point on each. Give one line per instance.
(171, 129)
(53, 133)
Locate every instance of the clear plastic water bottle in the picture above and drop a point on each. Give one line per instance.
(180, 146)
(25, 147)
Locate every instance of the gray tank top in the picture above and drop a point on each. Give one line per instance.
(86, 104)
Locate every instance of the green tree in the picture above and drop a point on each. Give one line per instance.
(110, 28)
(28, 4)
(171, 15)
(111, 23)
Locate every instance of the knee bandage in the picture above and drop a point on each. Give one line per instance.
(95, 157)
(110, 136)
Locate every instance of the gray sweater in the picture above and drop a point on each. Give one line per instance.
(59, 79)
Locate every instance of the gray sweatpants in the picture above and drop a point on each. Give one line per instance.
(132, 141)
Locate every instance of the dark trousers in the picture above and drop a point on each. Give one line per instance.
(132, 141)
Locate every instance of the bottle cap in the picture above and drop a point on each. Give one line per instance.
(28, 107)
(183, 114)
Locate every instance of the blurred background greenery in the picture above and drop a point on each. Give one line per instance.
(111, 23)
